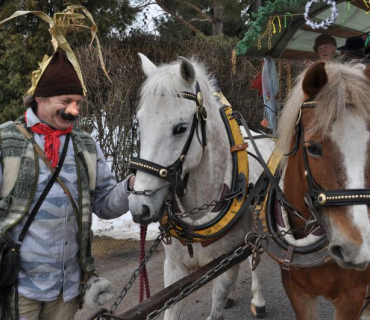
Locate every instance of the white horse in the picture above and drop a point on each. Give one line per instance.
(165, 120)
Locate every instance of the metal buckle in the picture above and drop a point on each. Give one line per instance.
(286, 265)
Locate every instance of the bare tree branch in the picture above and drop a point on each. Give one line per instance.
(143, 5)
(184, 22)
(190, 5)
(199, 20)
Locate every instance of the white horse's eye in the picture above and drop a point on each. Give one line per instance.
(180, 129)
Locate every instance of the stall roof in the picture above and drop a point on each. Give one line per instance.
(296, 40)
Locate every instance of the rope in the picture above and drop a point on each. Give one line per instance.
(143, 274)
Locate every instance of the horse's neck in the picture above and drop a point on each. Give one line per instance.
(206, 182)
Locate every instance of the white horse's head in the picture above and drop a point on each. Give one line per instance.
(165, 119)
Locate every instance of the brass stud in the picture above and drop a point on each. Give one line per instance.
(182, 158)
(305, 173)
(163, 173)
(322, 198)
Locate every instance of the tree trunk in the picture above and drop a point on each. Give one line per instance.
(218, 25)
(255, 6)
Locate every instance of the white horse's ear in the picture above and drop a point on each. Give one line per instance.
(147, 65)
(187, 70)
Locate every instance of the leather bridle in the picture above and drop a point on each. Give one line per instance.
(318, 197)
(173, 173)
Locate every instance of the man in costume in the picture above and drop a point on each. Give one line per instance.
(325, 46)
(56, 254)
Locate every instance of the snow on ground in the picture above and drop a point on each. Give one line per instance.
(122, 228)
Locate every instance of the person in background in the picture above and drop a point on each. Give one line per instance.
(354, 49)
(325, 46)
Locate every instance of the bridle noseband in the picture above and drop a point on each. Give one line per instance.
(318, 197)
(173, 173)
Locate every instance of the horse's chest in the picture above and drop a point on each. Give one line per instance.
(201, 256)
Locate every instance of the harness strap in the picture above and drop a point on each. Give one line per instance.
(288, 258)
(239, 147)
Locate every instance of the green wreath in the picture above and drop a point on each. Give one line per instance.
(259, 21)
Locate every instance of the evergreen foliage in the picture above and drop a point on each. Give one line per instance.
(260, 19)
(25, 40)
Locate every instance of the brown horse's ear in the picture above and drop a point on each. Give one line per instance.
(367, 72)
(314, 79)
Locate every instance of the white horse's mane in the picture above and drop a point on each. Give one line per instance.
(346, 83)
(166, 81)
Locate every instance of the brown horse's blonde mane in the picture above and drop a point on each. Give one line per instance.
(346, 83)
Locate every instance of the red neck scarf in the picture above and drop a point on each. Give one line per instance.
(52, 142)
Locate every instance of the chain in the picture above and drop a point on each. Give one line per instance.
(197, 284)
(148, 193)
(268, 32)
(233, 61)
(136, 273)
(206, 206)
(257, 250)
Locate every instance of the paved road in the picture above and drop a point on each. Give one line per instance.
(117, 259)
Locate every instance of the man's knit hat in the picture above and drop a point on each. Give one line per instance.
(324, 39)
(59, 78)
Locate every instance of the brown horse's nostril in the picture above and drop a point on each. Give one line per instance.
(337, 251)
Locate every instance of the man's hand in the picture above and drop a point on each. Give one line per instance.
(98, 292)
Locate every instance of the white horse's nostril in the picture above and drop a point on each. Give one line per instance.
(145, 213)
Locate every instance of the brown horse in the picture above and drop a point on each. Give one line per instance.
(330, 166)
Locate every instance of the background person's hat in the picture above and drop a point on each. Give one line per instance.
(324, 39)
(353, 44)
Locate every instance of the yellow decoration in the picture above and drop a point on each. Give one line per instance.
(273, 24)
(60, 25)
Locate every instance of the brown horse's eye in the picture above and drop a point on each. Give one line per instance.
(314, 149)
(180, 129)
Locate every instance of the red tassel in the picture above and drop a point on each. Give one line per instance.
(143, 274)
